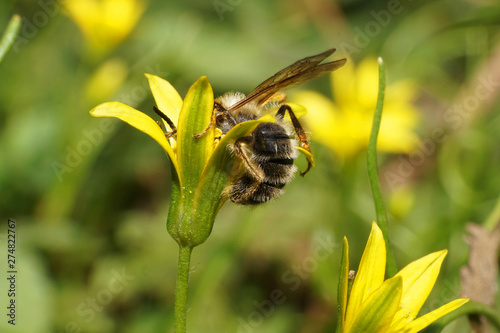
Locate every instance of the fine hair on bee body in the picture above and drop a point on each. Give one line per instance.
(265, 158)
(267, 154)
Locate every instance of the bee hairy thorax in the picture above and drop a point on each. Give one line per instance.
(247, 112)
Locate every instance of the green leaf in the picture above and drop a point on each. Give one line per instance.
(343, 287)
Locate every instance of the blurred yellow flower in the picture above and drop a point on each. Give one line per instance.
(401, 200)
(376, 305)
(106, 80)
(105, 23)
(345, 126)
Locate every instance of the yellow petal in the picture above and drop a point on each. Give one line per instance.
(418, 280)
(424, 321)
(138, 120)
(167, 98)
(376, 313)
(370, 274)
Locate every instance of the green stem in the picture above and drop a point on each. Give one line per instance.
(181, 290)
(9, 35)
(373, 174)
(469, 308)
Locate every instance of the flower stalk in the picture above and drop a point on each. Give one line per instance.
(181, 288)
(373, 172)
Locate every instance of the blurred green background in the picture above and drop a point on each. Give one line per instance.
(90, 196)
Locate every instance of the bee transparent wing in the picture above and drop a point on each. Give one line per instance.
(297, 73)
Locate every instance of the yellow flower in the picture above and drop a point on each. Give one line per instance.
(389, 306)
(105, 23)
(345, 126)
(202, 166)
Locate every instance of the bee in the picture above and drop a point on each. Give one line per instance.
(265, 157)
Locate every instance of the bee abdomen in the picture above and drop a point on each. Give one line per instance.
(284, 161)
(248, 191)
(278, 171)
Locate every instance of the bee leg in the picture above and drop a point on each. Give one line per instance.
(224, 113)
(212, 122)
(243, 189)
(169, 134)
(254, 170)
(169, 122)
(219, 111)
(299, 130)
